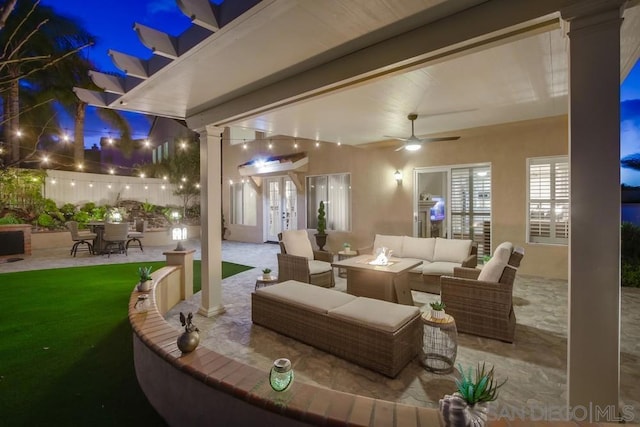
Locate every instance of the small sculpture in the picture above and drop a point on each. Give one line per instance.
(190, 338)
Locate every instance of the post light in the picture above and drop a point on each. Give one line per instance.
(281, 375)
(178, 234)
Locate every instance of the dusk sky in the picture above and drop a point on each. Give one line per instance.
(111, 22)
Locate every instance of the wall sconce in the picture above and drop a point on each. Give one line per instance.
(178, 234)
(398, 176)
(281, 375)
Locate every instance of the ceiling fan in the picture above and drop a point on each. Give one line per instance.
(414, 143)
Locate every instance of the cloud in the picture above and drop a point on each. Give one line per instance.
(160, 6)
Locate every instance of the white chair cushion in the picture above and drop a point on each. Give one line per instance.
(418, 247)
(297, 243)
(314, 298)
(367, 311)
(316, 267)
(392, 242)
(451, 250)
(440, 268)
(492, 271)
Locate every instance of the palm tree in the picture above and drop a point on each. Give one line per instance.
(35, 40)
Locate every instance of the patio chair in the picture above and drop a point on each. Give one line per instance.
(480, 301)
(135, 236)
(298, 261)
(115, 237)
(79, 238)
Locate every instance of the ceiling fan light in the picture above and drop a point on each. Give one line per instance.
(412, 147)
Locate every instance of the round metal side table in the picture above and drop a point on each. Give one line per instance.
(440, 344)
(261, 281)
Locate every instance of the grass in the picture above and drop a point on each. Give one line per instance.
(66, 355)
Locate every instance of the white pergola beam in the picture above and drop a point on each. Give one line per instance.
(137, 67)
(92, 97)
(200, 12)
(114, 84)
(160, 43)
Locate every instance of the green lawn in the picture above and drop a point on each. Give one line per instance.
(66, 347)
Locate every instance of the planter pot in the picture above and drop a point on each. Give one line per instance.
(266, 277)
(321, 241)
(145, 286)
(438, 314)
(188, 341)
(456, 412)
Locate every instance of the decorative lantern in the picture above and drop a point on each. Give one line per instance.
(178, 234)
(281, 375)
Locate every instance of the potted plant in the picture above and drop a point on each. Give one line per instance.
(145, 279)
(266, 274)
(321, 236)
(437, 310)
(468, 405)
(347, 247)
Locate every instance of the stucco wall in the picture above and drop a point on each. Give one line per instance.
(379, 205)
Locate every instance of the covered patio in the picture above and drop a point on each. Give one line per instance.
(349, 74)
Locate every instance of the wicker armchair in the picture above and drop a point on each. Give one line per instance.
(301, 267)
(480, 307)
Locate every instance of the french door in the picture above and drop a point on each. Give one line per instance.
(281, 207)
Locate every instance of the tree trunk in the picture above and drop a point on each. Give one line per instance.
(78, 133)
(14, 120)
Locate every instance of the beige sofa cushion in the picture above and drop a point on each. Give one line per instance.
(440, 268)
(451, 250)
(492, 271)
(368, 311)
(316, 267)
(392, 242)
(418, 247)
(296, 242)
(313, 298)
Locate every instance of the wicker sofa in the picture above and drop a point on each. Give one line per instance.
(345, 325)
(439, 256)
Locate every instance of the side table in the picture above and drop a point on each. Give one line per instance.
(342, 255)
(440, 343)
(261, 281)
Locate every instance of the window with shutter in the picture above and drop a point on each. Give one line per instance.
(243, 204)
(335, 191)
(548, 200)
(471, 206)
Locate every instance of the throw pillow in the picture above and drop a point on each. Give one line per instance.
(296, 242)
(492, 271)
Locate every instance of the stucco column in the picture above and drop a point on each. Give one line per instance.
(185, 260)
(210, 221)
(593, 365)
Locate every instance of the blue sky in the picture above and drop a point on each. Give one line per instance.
(630, 123)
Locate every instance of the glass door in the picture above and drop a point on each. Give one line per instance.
(431, 202)
(280, 207)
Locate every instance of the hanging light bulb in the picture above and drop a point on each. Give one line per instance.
(18, 133)
(183, 145)
(142, 175)
(65, 137)
(147, 143)
(80, 166)
(111, 171)
(91, 185)
(270, 145)
(110, 140)
(317, 144)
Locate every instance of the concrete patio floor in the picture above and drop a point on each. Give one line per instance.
(535, 364)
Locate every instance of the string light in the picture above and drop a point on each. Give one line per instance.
(91, 185)
(184, 179)
(147, 143)
(65, 137)
(183, 145)
(45, 159)
(80, 166)
(317, 144)
(18, 133)
(126, 187)
(142, 175)
(111, 171)
(73, 183)
(270, 145)
(163, 187)
(109, 186)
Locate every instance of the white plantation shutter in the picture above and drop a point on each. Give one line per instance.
(471, 206)
(548, 202)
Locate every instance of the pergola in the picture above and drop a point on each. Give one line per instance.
(350, 71)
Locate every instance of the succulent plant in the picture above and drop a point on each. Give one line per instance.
(144, 273)
(438, 305)
(479, 388)
(266, 270)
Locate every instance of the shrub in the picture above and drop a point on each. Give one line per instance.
(98, 214)
(50, 206)
(630, 254)
(82, 217)
(68, 209)
(631, 275)
(10, 219)
(45, 220)
(88, 207)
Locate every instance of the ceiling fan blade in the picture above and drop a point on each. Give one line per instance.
(444, 113)
(395, 137)
(399, 148)
(443, 138)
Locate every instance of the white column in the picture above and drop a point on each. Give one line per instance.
(593, 365)
(210, 221)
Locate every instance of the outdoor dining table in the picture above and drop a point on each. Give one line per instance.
(97, 227)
